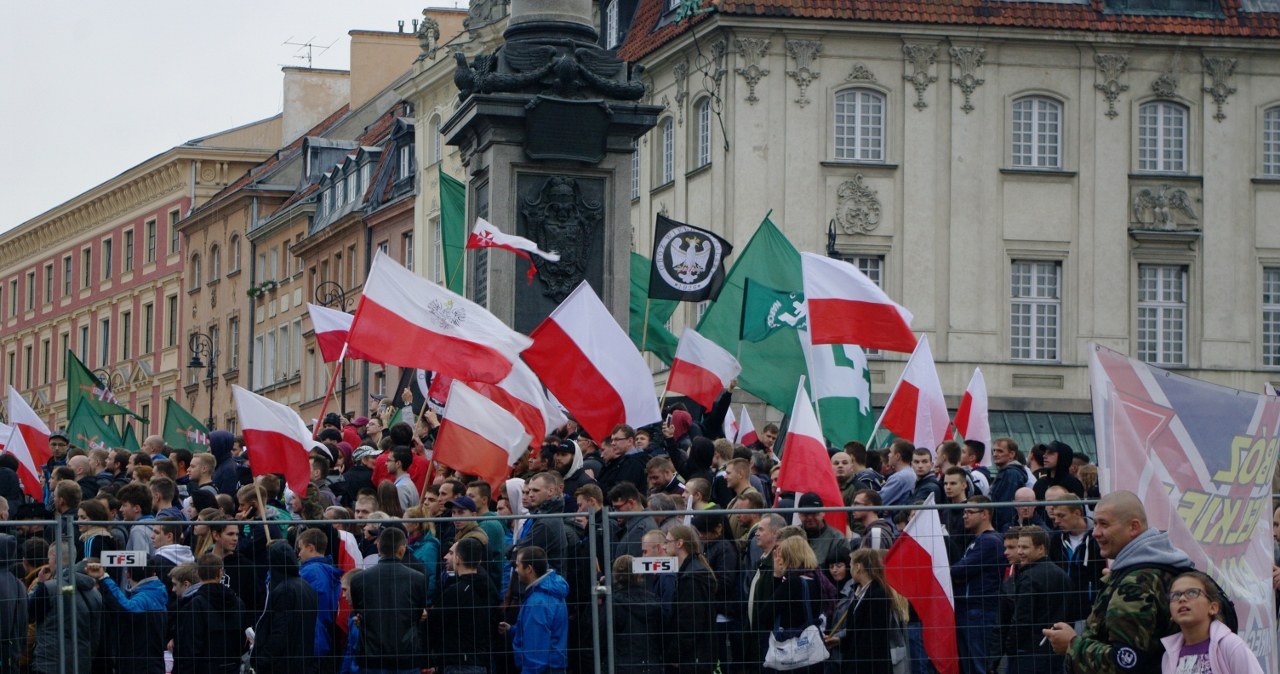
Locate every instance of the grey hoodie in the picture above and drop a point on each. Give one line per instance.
(1150, 548)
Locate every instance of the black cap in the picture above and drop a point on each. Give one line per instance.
(565, 447)
(809, 500)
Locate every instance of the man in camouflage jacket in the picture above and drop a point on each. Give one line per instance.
(1130, 614)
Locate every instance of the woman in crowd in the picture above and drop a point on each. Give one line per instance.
(389, 499)
(1204, 644)
(689, 649)
(797, 595)
(424, 546)
(869, 622)
(201, 534)
(94, 538)
(637, 615)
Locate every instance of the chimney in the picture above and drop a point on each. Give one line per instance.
(310, 95)
(377, 59)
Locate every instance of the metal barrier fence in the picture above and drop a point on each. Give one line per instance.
(701, 592)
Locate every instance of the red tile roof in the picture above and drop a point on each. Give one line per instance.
(642, 40)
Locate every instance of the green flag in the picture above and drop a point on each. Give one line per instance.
(130, 439)
(771, 368)
(453, 229)
(87, 430)
(840, 382)
(82, 384)
(766, 310)
(183, 431)
(660, 342)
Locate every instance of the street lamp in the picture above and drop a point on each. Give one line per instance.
(331, 295)
(202, 345)
(112, 379)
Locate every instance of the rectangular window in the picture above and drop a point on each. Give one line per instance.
(1271, 317)
(45, 361)
(364, 176)
(84, 344)
(1162, 137)
(1271, 142)
(437, 251)
(144, 411)
(86, 273)
(151, 241)
(351, 187)
(339, 194)
(127, 263)
(258, 342)
(635, 169)
(668, 152)
(406, 250)
(353, 263)
(171, 315)
(1162, 314)
(269, 359)
(1037, 133)
(283, 344)
(233, 344)
(126, 335)
(382, 247)
(48, 283)
(295, 350)
(66, 276)
(704, 132)
(216, 346)
(859, 125)
(65, 340)
(406, 161)
(13, 365)
(31, 290)
(104, 342)
(13, 298)
(108, 248)
(326, 203)
(27, 368)
(175, 238)
(148, 327)
(611, 24)
(1035, 309)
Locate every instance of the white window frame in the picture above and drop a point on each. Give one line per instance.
(611, 24)
(234, 250)
(668, 163)
(433, 132)
(1163, 143)
(233, 344)
(1036, 123)
(1035, 310)
(406, 250)
(196, 276)
(405, 164)
(1271, 316)
(437, 251)
(1163, 291)
(351, 187)
(104, 342)
(635, 169)
(340, 193)
(703, 111)
(1271, 142)
(859, 125)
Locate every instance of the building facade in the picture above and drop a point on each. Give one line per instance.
(1026, 178)
(101, 275)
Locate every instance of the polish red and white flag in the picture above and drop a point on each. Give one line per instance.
(486, 235)
(522, 394)
(591, 366)
(29, 442)
(917, 410)
(730, 425)
(408, 321)
(847, 307)
(331, 327)
(916, 566)
(972, 417)
(701, 369)
(478, 437)
(746, 430)
(806, 465)
(277, 439)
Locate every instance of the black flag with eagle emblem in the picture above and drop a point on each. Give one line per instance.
(688, 262)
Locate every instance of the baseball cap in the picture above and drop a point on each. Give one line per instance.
(809, 500)
(60, 435)
(565, 447)
(464, 502)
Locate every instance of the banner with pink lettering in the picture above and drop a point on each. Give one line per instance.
(1201, 457)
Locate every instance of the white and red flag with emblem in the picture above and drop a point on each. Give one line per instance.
(486, 235)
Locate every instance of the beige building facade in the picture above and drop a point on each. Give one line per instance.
(1023, 190)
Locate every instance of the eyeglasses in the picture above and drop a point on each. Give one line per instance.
(1189, 593)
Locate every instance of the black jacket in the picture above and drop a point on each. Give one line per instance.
(13, 607)
(637, 626)
(865, 645)
(928, 485)
(547, 533)
(225, 477)
(1060, 474)
(693, 618)
(357, 477)
(462, 624)
(389, 599)
(1083, 565)
(210, 633)
(626, 468)
(1038, 589)
(285, 636)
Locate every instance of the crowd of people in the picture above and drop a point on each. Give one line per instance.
(390, 563)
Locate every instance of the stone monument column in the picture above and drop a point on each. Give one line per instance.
(546, 126)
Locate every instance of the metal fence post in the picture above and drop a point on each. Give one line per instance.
(607, 568)
(595, 594)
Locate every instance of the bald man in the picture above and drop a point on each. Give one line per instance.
(154, 447)
(1130, 613)
(1028, 515)
(84, 476)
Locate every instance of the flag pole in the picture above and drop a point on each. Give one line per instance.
(262, 508)
(333, 379)
(644, 327)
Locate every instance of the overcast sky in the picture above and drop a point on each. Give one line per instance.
(89, 89)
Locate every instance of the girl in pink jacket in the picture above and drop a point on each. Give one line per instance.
(1205, 645)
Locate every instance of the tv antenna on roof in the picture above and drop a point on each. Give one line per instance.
(310, 46)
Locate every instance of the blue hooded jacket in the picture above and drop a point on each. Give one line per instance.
(540, 636)
(224, 473)
(145, 596)
(326, 579)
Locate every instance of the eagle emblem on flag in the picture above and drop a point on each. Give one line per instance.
(446, 314)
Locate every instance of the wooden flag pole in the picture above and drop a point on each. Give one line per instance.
(262, 508)
(333, 380)
(644, 327)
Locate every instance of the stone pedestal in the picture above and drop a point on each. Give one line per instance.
(518, 150)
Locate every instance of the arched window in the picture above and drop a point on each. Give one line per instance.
(194, 271)
(1037, 133)
(668, 163)
(859, 125)
(703, 110)
(233, 253)
(215, 263)
(1162, 137)
(1271, 142)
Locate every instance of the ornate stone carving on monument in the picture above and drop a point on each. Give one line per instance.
(804, 53)
(860, 73)
(968, 59)
(1111, 67)
(567, 70)
(751, 50)
(1219, 70)
(857, 207)
(1164, 207)
(428, 37)
(481, 13)
(681, 72)
(561, 220)
(920, 57)
(719, 53)
(1166, 85)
